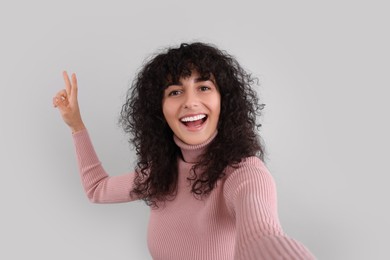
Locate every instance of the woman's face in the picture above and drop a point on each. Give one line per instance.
(192, 107)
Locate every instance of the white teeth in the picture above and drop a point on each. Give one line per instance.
(192, 118)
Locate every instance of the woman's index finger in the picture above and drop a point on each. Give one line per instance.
(67, 83)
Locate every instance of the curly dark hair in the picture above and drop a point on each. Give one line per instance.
(142, 117)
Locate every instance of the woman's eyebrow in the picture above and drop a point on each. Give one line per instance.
(202, 79)
(173, 84)
(197, 80)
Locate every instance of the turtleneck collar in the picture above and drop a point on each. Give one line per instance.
(192, 152)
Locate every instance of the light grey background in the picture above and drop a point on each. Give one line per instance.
(324, 72)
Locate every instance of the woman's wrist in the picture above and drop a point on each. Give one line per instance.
(78, 128)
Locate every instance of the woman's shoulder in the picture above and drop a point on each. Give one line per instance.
(249, 169)
(249, 179)
(248, 164)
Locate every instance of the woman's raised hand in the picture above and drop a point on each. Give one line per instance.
(67, 104)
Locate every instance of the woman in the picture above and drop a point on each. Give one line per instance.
(191, 114)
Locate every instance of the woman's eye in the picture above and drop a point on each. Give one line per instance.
(174, 93)
(204, 88)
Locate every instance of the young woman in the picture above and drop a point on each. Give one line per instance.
(191, 114)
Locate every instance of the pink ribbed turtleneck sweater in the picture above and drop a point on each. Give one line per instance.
(238, 220)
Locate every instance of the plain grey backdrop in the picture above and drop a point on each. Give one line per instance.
(324, 73)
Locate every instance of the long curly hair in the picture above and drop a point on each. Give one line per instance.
(142, 117)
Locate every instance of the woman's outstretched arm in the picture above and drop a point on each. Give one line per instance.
(250, 195)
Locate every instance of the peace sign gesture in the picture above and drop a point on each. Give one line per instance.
(67, 103)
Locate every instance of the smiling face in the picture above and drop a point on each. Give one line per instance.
(191, 108)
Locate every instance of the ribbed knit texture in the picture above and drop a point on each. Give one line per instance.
(238, 220)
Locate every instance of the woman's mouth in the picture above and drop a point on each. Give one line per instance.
(194, 122)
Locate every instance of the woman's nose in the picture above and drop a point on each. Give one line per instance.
(191, 100)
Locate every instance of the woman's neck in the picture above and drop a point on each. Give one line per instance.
(191, 153)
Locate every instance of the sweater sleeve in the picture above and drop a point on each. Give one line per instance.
(250, 195)
(99, 187)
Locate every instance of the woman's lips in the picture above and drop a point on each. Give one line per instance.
(194, 124)
(190, 118)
